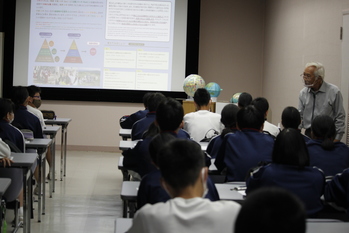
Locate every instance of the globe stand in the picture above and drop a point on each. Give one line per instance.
(214, 99)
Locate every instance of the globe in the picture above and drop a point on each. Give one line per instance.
(191, 83)
(235, 98)
(214, 89)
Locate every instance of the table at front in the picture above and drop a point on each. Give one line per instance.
(52, 132)
(25, 161)
(63, 122)
(41, 144)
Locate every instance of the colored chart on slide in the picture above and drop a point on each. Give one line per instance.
(44, 53)
(73, 55)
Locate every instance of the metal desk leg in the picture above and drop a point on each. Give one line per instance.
(65, 149)
(62, 152)
(40, 187)
(43, 185)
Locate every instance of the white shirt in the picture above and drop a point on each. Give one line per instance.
(5, 151)
(186, 215)
(272, 129)
(197, 124)
(38, 114)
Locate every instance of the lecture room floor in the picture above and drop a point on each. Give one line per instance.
(88, 198)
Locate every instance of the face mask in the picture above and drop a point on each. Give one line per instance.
(37, 103)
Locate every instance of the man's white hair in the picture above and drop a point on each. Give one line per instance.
(319, 69)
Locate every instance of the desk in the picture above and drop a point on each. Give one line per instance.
(52, 132)
(4, 183)
(125, 133)
(40, 143)
(122, 225)
(125, 145)
(327, 227)
(64, 122)
(25, 161)
(226, 191)
(125, 176)
(128, 194)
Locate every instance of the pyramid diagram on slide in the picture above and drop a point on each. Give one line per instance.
(73, 55)
(44, 53)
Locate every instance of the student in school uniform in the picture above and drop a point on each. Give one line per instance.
(169, 117)
(184, 177)
(291, 118)
(140, 126)
(228, 119)
(290, 170)
(331, 157)
(127, 121)
(7, 130)
(245, 148)
(150, 190)
(337, 190)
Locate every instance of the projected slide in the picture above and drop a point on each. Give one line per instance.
(112, 44)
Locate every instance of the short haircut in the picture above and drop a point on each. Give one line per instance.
(180, 163)
(32, 90)
(244, 100)
(290, 149)
(154, 101)
(202, 97)
(228, 115)
(6, 106)
(169, 114)
(250, 117)
(323, 128)
(19, 95)
(319, 69)
(291, 118)
(157, 142)
(271, 210)
(261, 104)
(146, 98)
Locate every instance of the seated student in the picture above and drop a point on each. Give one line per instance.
(150, 190)
(271, 210)
(143, 124)
(291, 118)
(169, 117)
(331, 157)
(184, 177)
(228, 119)
(337, 190)
(34, 102)
(246, 148)
(201, 122)
(262, 105)
(127, 121)
(8, 131)
(23, 118)
(244, 100)
(290, 170)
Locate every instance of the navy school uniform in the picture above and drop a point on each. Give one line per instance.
(126, 122)
(330, 162)
(27, 120)
(138, 159)
(142, 125)
(242, 151)
(337, 190)
(150, 190)
(308, 183)
(11, 133)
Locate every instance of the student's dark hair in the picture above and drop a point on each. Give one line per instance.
(157, 142)
(228, 118)
(290, 149)
(154, 100)
(180, 163)
(323, 128)
(290, 117)
(146, 98)
(250, 117)
(19, 95)
(6, 106)
(261, 104)
(33, 89)
(202, 97)
(169, 114)
(244, 100)
(271, 210)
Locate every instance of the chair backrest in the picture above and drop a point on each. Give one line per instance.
(12, 146)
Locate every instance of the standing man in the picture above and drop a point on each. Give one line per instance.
(320, 98)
